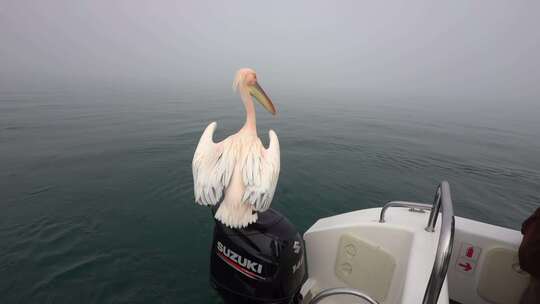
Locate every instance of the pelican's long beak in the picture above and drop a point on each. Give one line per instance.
(259, 94)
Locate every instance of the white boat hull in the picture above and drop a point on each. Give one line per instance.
(392, 261)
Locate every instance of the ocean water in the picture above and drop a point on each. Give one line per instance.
(96, 199)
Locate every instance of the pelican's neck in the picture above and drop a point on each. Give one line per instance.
(251, 121)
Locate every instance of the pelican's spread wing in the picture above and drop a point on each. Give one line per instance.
(212, 168)
(260, 173)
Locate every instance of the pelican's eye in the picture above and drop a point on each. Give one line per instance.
(251, 79)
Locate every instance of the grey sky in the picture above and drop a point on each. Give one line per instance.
(465, 49)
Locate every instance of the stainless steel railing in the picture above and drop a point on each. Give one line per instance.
(342, 291)
(402, 204)
(442, 200)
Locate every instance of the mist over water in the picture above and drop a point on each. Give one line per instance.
(102, 105)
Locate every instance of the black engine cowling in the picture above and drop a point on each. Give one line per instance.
(262, 263)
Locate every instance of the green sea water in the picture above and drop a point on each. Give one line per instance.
(96, 199)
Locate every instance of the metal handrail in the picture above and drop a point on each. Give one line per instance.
(446, 240)
(442, 200)
(402, 204)
(341, 291)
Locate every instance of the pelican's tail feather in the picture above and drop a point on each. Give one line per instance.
(236, 215)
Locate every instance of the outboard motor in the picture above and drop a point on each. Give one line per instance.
(262, 263)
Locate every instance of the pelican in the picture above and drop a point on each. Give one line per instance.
(238, 169)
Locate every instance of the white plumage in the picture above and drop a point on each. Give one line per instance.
(238, 169)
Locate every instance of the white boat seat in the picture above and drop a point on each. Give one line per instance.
(501, 281)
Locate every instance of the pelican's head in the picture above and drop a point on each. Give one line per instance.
(246, 79)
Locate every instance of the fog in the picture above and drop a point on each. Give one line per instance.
(458, 50)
